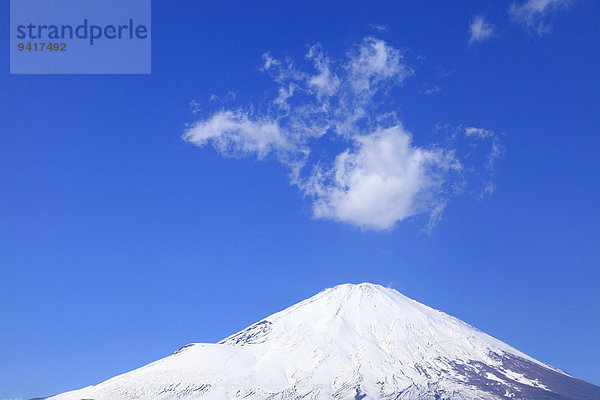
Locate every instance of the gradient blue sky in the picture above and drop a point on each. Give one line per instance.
(120, 242)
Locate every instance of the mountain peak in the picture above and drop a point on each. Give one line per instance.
(364, 288)
(351, 341)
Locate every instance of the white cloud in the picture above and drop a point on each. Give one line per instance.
(194, 107)
(377, 176)
(269, 61)
(533, 13)
(488, 189)
(325, 83)
(496, 149)
(479, 132)
(432, 90)
(379, 28)
(374, 62)
(235, 133)
(480, 30)
(383, 179)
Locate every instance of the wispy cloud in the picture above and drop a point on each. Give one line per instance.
(376, 175)
(379, 28)
(235, 133)
(496, 149)
(429, 90)
(480, 30)
(533, 13)
(194, 107)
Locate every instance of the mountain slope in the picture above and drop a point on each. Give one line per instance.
(347, 342)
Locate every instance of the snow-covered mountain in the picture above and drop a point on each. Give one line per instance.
(348, 342)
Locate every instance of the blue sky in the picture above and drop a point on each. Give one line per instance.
(121, 239)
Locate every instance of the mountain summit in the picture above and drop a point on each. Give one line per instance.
(348, 342)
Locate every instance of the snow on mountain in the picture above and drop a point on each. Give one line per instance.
(348, 342)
